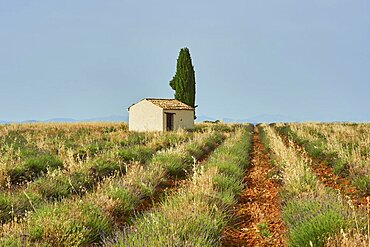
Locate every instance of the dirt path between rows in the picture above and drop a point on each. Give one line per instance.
(256, 220)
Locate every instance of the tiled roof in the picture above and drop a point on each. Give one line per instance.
(170, 104)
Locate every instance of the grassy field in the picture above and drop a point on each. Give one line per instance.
(97, 184)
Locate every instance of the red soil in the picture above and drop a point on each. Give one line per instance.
(326, 175)
(257, 204)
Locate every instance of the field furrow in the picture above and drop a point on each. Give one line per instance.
(315, 215)
(172, 183)
(323, 165)
(256, 216)
(196, 214)
(83, 178)
(88, 219)
(97, 184)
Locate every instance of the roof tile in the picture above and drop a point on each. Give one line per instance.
(170, 104)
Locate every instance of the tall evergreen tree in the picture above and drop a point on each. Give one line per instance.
(184, 80)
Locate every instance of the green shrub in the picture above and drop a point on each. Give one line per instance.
(80, 182)
(80, 155)
(134, 138)
(15, 138)
(340, 167)
(70, 143)
(98, 147)
(34, 167)
(18, 241)
(264, 229)
(27, 152)
(229, 169)
(23, 202)
(226, 198)
(125, 201)
(207, 145)
(314, 231)
(226, 128)
(363, 183)
(201, 228)
(170, 139)
(214, 140)
(61, 186)
(141, 154)
(224, 183)
(59, 224)
(199, 128)
(16, 205)
(105, 167)
(83, 132)
(109, 129)
(52, 188)
(95, 148)
(95, 226)
(313, 217)
(194, 150)
(5, 208)
(42, 163)
(173, 139)
(17, 174)
(175, 164)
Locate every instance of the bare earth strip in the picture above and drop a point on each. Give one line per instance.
(258, 206)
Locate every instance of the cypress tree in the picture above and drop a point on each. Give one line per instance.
(184, 80)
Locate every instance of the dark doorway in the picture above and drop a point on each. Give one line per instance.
(169, 121)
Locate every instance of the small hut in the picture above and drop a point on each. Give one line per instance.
(160, 115)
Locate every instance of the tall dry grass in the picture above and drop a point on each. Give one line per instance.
(312, 213)
(88, 219)
(347, 145)
(195, 215)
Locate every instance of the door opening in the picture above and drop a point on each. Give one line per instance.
(169, 121)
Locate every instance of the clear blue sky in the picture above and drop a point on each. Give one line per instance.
(309, 60)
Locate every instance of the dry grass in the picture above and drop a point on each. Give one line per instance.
(196, 214)
(296, 173)
(87, 218)
(352, 237)
(311, 212)
(349, 142)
